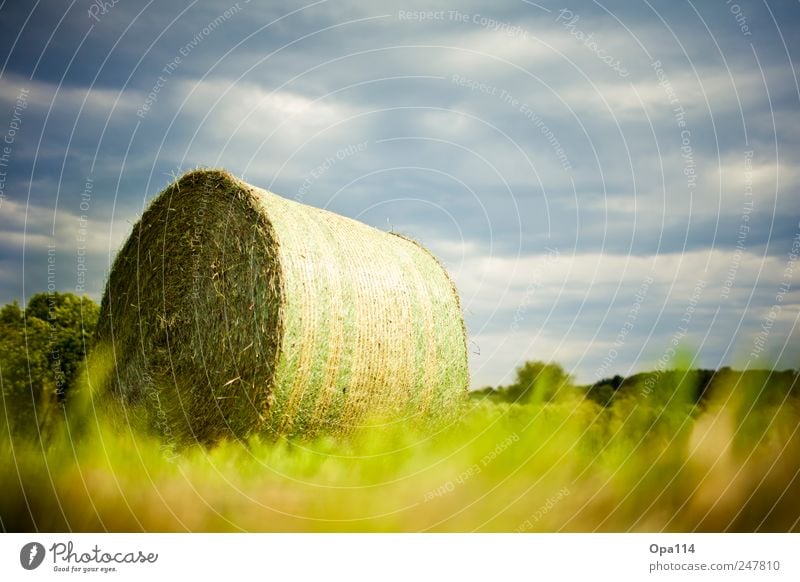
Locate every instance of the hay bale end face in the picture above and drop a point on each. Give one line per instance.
(231, 310)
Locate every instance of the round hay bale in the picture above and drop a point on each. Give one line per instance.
(231, 310)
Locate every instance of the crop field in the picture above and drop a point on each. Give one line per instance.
(676, 450)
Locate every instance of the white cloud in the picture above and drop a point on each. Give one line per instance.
(68, 99)
(527, 307)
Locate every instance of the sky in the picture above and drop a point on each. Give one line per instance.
(612, 186)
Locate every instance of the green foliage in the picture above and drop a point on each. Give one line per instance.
(603, 392)
(11, 314)
(539, 382)
(24, 366)
(536, 382)
(72, 321)
(693, 387)
(41, 351)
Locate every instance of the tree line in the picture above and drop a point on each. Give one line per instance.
(44, 345)
(539, 382)
(42, 349)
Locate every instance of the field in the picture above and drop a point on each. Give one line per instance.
(673, 457)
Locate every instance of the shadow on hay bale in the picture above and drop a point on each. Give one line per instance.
(231, 310)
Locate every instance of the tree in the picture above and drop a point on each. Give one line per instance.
(537, 382)
(23, 366)
(604, 391)
(41, 350)
(11, 314)
(72, 321)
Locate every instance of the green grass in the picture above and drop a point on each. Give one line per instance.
(655, 463)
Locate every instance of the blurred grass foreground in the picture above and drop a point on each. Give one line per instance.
(673, 450)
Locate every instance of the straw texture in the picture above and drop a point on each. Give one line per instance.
(232, 310)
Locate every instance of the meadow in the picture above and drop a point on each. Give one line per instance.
(671, 451)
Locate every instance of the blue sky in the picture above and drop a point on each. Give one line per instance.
(605, 182)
